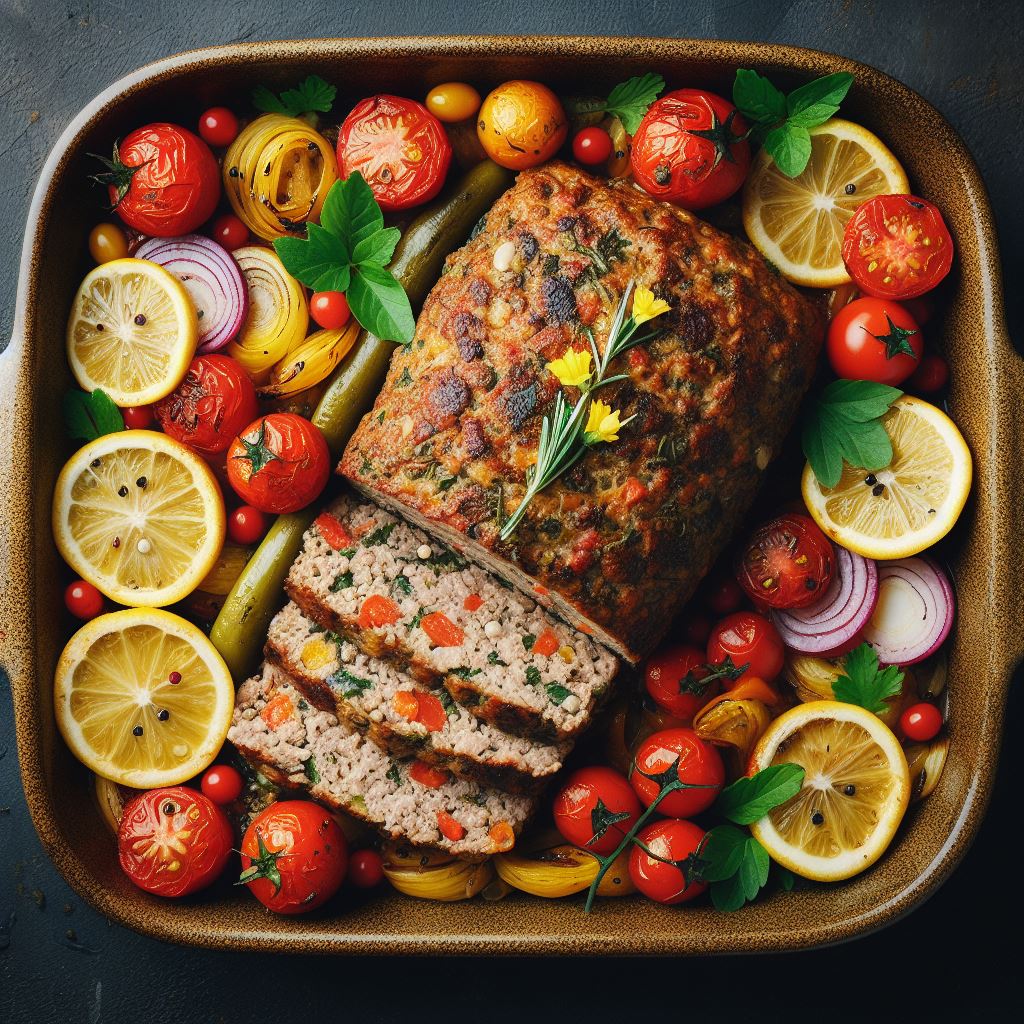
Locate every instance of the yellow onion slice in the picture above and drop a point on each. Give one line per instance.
(310, 362)
(278, 316)
(277, 174)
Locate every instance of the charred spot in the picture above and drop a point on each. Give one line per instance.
(449, 396)
(587, 514)
(520, 405)
(577, 479)
(559, 299)
(551, 528)
(565, 223)
(663, 174)
(481, 291)
(479, 374)
(472, 504)
(579, 194)
(709, 445)
(528, 246)
(546, 189)
(474, 438)
(469, 335)
(696, 326)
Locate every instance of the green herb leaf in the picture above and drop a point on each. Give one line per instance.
(757, 99)
(749, 799)
(866, 684)
(736, 865)
(313, 94)
(630, 100)
(341, 582)
(465, 673)
(556, 692)
(377, 248)
(379, 536)
(493, 659)
(529, 639)
(790, 147)
(401, 582)
(310, 770)
(351, 211)
(451, 709)
(380, 304)
(533, 675)
(320, 261)
(394, 773)
(349, 684)
(723, 852)
(88, 415)
(814, 103)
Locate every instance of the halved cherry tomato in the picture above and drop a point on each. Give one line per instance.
(247, 525)
(592, 145)
(107, 242)
(931, 375)
(427, 775)
(378, 611)
(748, 639)
(230, 232)
(330, 310)
(218, 126)
(222, 784)
(334, 531)
(442, 631)
(449, 827)
(699, 765)
(595, 808)
(138, 417)
(365, 869)
(672, 841)
(874, 339)
(452, 102)
(787, 563)
(673, 676)
(897, 247)
(83, 600)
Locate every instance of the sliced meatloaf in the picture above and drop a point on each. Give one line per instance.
(299, 746)
(618, 544)
(401, 714)
(399, 595)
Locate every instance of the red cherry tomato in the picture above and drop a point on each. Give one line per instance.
(696, 630)
(218, 126)
(164, 180)
(897, 247)
(587, 803)
(294, 856)
(365, 869)
(722, 594)
(173, 841)
(230, 232)
(748, 639)
(592, 145)
(671, 840)
(222, 784)
(700, 764)
(921, 722)
(138, 417)
(398, 146)
(247, 525)
(210, 406)
(787, 563)
(690, 149)
(330, 310)
(673, 677)
(874, 339)
(279, 463)
(83, 600)
(931, 375)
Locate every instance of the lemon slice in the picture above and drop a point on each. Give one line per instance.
(139, 516)
(143, 698)
(798, 223)
(132, 331)
(900, 510)
(855, 791)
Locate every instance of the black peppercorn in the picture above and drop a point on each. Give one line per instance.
(137, 731)
(817, 818)
(849, 789)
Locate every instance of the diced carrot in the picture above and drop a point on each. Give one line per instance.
(472, 602)
(333, 531)
(546, 644)
(634, 491)
(278, 710)
(431, 712)
(449, 827)
(441, 630)
(502, 835)
(378, 611)
(427, 775)
(407, 704)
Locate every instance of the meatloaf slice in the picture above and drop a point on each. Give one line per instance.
(400, 714)
(300, 747)
(399, 595)
(618, 544)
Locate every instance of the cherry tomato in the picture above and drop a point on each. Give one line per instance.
(521, 124)
(874, 339)
(83, 600)
(330, 310)
(365, 869)
(700, 764)
(673, 676)
(722, 594)
(696, 630)
(931, 375)
(398, 146)
(670, 840)
(279, 463)
(173, 841)
(748, 639)
(138, 417)
(230, 232)
(787, 563)
(453, 102)
(588, 802)
(218, 126)
(690, 149)
(921, 722)
(247, 525)
(163, 181)
(897, 247)
(222, 784)
(211, 406)
(294, 856)
(592, 145)
(921, 308)
(107, 242)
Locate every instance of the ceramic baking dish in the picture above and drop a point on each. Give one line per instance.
(988, 380)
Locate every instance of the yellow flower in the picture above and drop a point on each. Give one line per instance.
(646, 306)
(603, 423)
(573, 369)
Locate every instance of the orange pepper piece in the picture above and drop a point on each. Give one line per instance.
(427, 775)
(378, 611)
(546, 644)
(430, 712)
(748, 688)
(502, 835)
(333, 531)
(442, 631)
(278, 710)
(407, 704)
(449, 827)
(472, 602)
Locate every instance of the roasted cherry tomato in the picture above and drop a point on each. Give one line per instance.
(691, 149)
(670, 840)
(218, 126)
(247, 525)
(453, 102)
(138, 417)
(874, 339)
(163, 180)
(787, 562)
(279, 463)
(748, 639)
(365, 869)
(230, 232)
(294, 857)
(211, 406)
(222, 784)
(696, 630)
(83, 600)
(674, 676)
(173, 841)
(592, 145)
(700, 765)
(921, 722)
(330, 310)
(398, 146)
(722, 594)
(931, 375)
(107, 242)
(596, 802)
(521, 124)
(897, 247)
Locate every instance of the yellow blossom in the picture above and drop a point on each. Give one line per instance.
(646, 306)
(603, 423)
(573, 369)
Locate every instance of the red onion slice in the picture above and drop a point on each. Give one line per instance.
(212, 279)
(837, 617)
(914, 613)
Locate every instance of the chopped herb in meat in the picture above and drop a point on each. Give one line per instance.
(418, 618)
(404, 379)
(349, 684)
(401, 582)
(465, 673)
(529, 639)
(341, 582)
(451, 709)
(556, 692)
(310, 770)
(493, 659)
(394, 773)
(379, 536)
(533, 675)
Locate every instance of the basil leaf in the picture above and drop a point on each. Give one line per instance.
(320, 261)
(378, 247)
(380, 304)
(822, 449)
(819, 100)
(865, 444)
(790, 147)
(756, 97)
(312, 94)
(350, 210)
(630, 100)
(749, 799)
(88, 415)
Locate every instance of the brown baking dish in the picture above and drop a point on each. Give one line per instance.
(988, 379)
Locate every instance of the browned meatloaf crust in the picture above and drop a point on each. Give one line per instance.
(619, 543)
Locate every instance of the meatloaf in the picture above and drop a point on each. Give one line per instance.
(619, 543)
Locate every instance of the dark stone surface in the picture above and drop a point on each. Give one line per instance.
(953, 957)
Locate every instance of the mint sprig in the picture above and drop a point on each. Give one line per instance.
(865, 683)
(310, 96)
(90, 414)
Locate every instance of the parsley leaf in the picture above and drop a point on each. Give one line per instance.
(90, 414)
(866, 684)
(630, 100)
(341, 582)
(493, 659)
(533, 675)
(313, 94)
(736, 865)
(749, 799)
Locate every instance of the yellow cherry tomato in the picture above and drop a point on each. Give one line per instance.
(453, 101)
(521, 124)
(107, 242)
